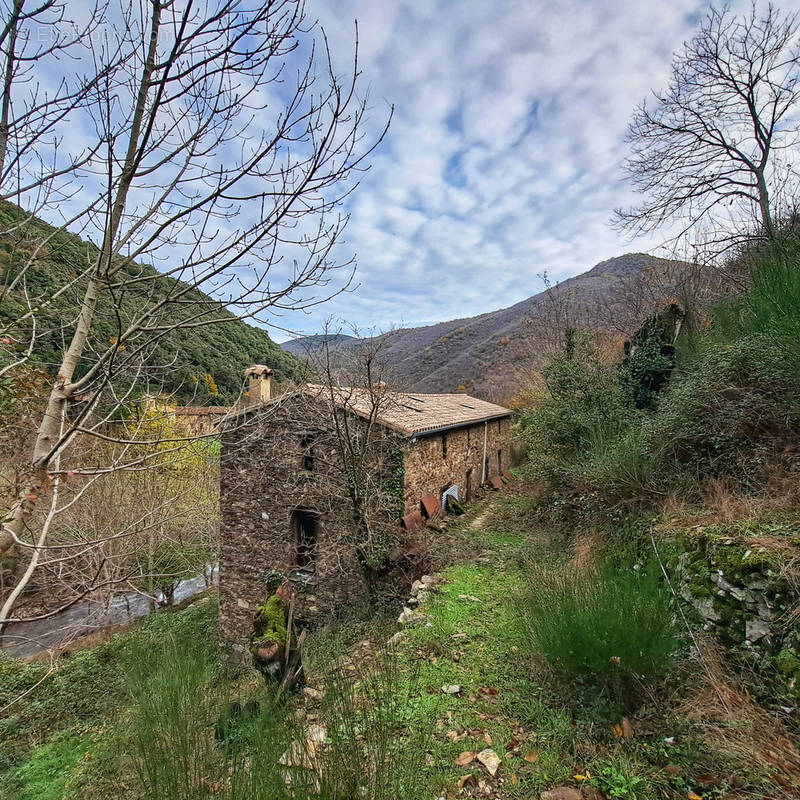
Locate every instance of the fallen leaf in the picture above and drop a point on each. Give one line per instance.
(490, 760)
(693, 796)
(706, 780)
(466, 780)
(490, 690)
(514, 779)
(580, 777)
(617, 731)
(512, 744)
(532, 756)
(672, 770)
(456, 737)
(467, 757)
(487, 738)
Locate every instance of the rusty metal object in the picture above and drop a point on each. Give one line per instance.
(414, 521)
(496, 482)
(430, 506)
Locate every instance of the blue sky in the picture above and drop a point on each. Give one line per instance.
(503, 159)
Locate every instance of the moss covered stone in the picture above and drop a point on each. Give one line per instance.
(270, 623)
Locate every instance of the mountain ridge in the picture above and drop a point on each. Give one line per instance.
(492, 354)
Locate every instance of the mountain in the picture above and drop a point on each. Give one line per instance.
(205, 364)
(306, 344)
(493, 354)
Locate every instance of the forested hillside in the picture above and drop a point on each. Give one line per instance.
(201, 365)
(493, 355)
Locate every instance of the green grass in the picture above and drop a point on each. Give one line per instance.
(613, 626)
(153, 697)
(46, 774)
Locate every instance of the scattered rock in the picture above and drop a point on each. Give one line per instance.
(627, 728)
(490, 760)
(313, 694)
(396, 638)
(453, 688)
(470, 597)
(317, 733)
(755, 629)
(735, 591)
(590, 793)
(561, 793)
(410, 617)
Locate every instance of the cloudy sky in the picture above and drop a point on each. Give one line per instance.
(503, 158)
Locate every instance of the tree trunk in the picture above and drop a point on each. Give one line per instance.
(48, 437)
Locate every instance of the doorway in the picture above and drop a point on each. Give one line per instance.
(305, 527)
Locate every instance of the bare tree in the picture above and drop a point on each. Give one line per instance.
(712, 150)
(356, 388)
(225, 143)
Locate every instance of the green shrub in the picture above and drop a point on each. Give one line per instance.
(612, 628)
(734, 404)
(586, 409)
(738, 406)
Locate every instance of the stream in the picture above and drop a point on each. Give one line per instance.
(23, 639)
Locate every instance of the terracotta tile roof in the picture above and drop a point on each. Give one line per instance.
(415, 414)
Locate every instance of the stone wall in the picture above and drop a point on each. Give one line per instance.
(438, 460)
(264, 480)
(742, 594)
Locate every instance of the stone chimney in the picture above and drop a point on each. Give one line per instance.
(260, 380)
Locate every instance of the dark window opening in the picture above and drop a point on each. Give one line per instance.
(444, 445)
(305, 526)
(468, 486)
(307, 447)
(499, 462)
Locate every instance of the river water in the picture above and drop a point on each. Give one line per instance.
(25, 639)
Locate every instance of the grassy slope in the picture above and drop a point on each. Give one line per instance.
(222, 351)
(68, 737)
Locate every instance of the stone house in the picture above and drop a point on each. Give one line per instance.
(286, 491)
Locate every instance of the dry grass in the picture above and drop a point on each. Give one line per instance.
(721, 501)
(721, 708)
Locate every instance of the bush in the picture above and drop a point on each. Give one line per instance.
(734, 406)
(586, 409)
(612, 628)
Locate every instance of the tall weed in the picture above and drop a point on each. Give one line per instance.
(612, 628)
(356, 746)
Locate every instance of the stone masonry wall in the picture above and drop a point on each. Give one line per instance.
(263, 481)
(441, 459)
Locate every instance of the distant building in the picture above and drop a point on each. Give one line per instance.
(283, 500)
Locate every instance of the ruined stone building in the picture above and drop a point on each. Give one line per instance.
(288, 469)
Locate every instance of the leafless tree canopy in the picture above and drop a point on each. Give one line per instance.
(213, 140)
(712, 151)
